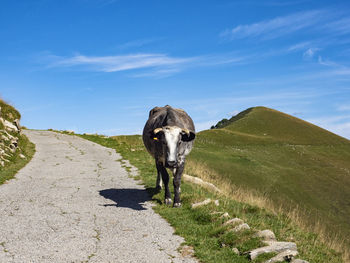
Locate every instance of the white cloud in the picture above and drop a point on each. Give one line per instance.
(341, 26)
(310, 52)
(328, 63)
(276, 27)
(122, 62)
(299, 46)
(155, 65)
(334, 22)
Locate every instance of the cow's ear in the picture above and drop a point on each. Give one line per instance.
(188, 137)
(152, 135)
(153, 111)
(155, 136)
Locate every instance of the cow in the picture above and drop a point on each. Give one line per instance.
(168, 136)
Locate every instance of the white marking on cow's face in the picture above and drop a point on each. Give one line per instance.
(172, 137)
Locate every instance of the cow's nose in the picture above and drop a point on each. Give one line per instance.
(171, 163)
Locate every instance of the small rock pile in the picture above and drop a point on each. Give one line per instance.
(286, 251)
(10, 132)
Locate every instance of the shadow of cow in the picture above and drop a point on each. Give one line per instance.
(125, 197)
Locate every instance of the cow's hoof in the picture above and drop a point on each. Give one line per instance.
(158, 187)
(168, 201)
(177, 205)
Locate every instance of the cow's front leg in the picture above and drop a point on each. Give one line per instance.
(165, 177)
(159, 179)
(177, 183)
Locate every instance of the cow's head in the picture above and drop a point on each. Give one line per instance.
(170, 144)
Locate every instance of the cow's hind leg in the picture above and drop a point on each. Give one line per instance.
(165, 178)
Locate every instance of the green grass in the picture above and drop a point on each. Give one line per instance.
(203, 230)
(292, 163)
(16, 163)
(8, 112)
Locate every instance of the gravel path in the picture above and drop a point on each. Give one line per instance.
(75, 203)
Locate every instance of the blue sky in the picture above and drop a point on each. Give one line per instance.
(101, 65)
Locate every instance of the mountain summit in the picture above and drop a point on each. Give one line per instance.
(265, 123)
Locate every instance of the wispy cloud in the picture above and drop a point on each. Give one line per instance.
(276, 27)
(341, 26)
(299, 46)
(122, 62)
(335, 23)
(310, 52)
(337, 69)
(148, 64)
(328, 63)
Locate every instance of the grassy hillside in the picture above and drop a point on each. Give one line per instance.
(10, 157)
(283, 161)
(8, 112)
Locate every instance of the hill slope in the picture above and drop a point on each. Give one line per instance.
(15, 148)
(275, 126)
(291, 162)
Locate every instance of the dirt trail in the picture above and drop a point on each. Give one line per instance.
(75, 203)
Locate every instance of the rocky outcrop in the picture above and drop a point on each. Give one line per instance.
(10, 132)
